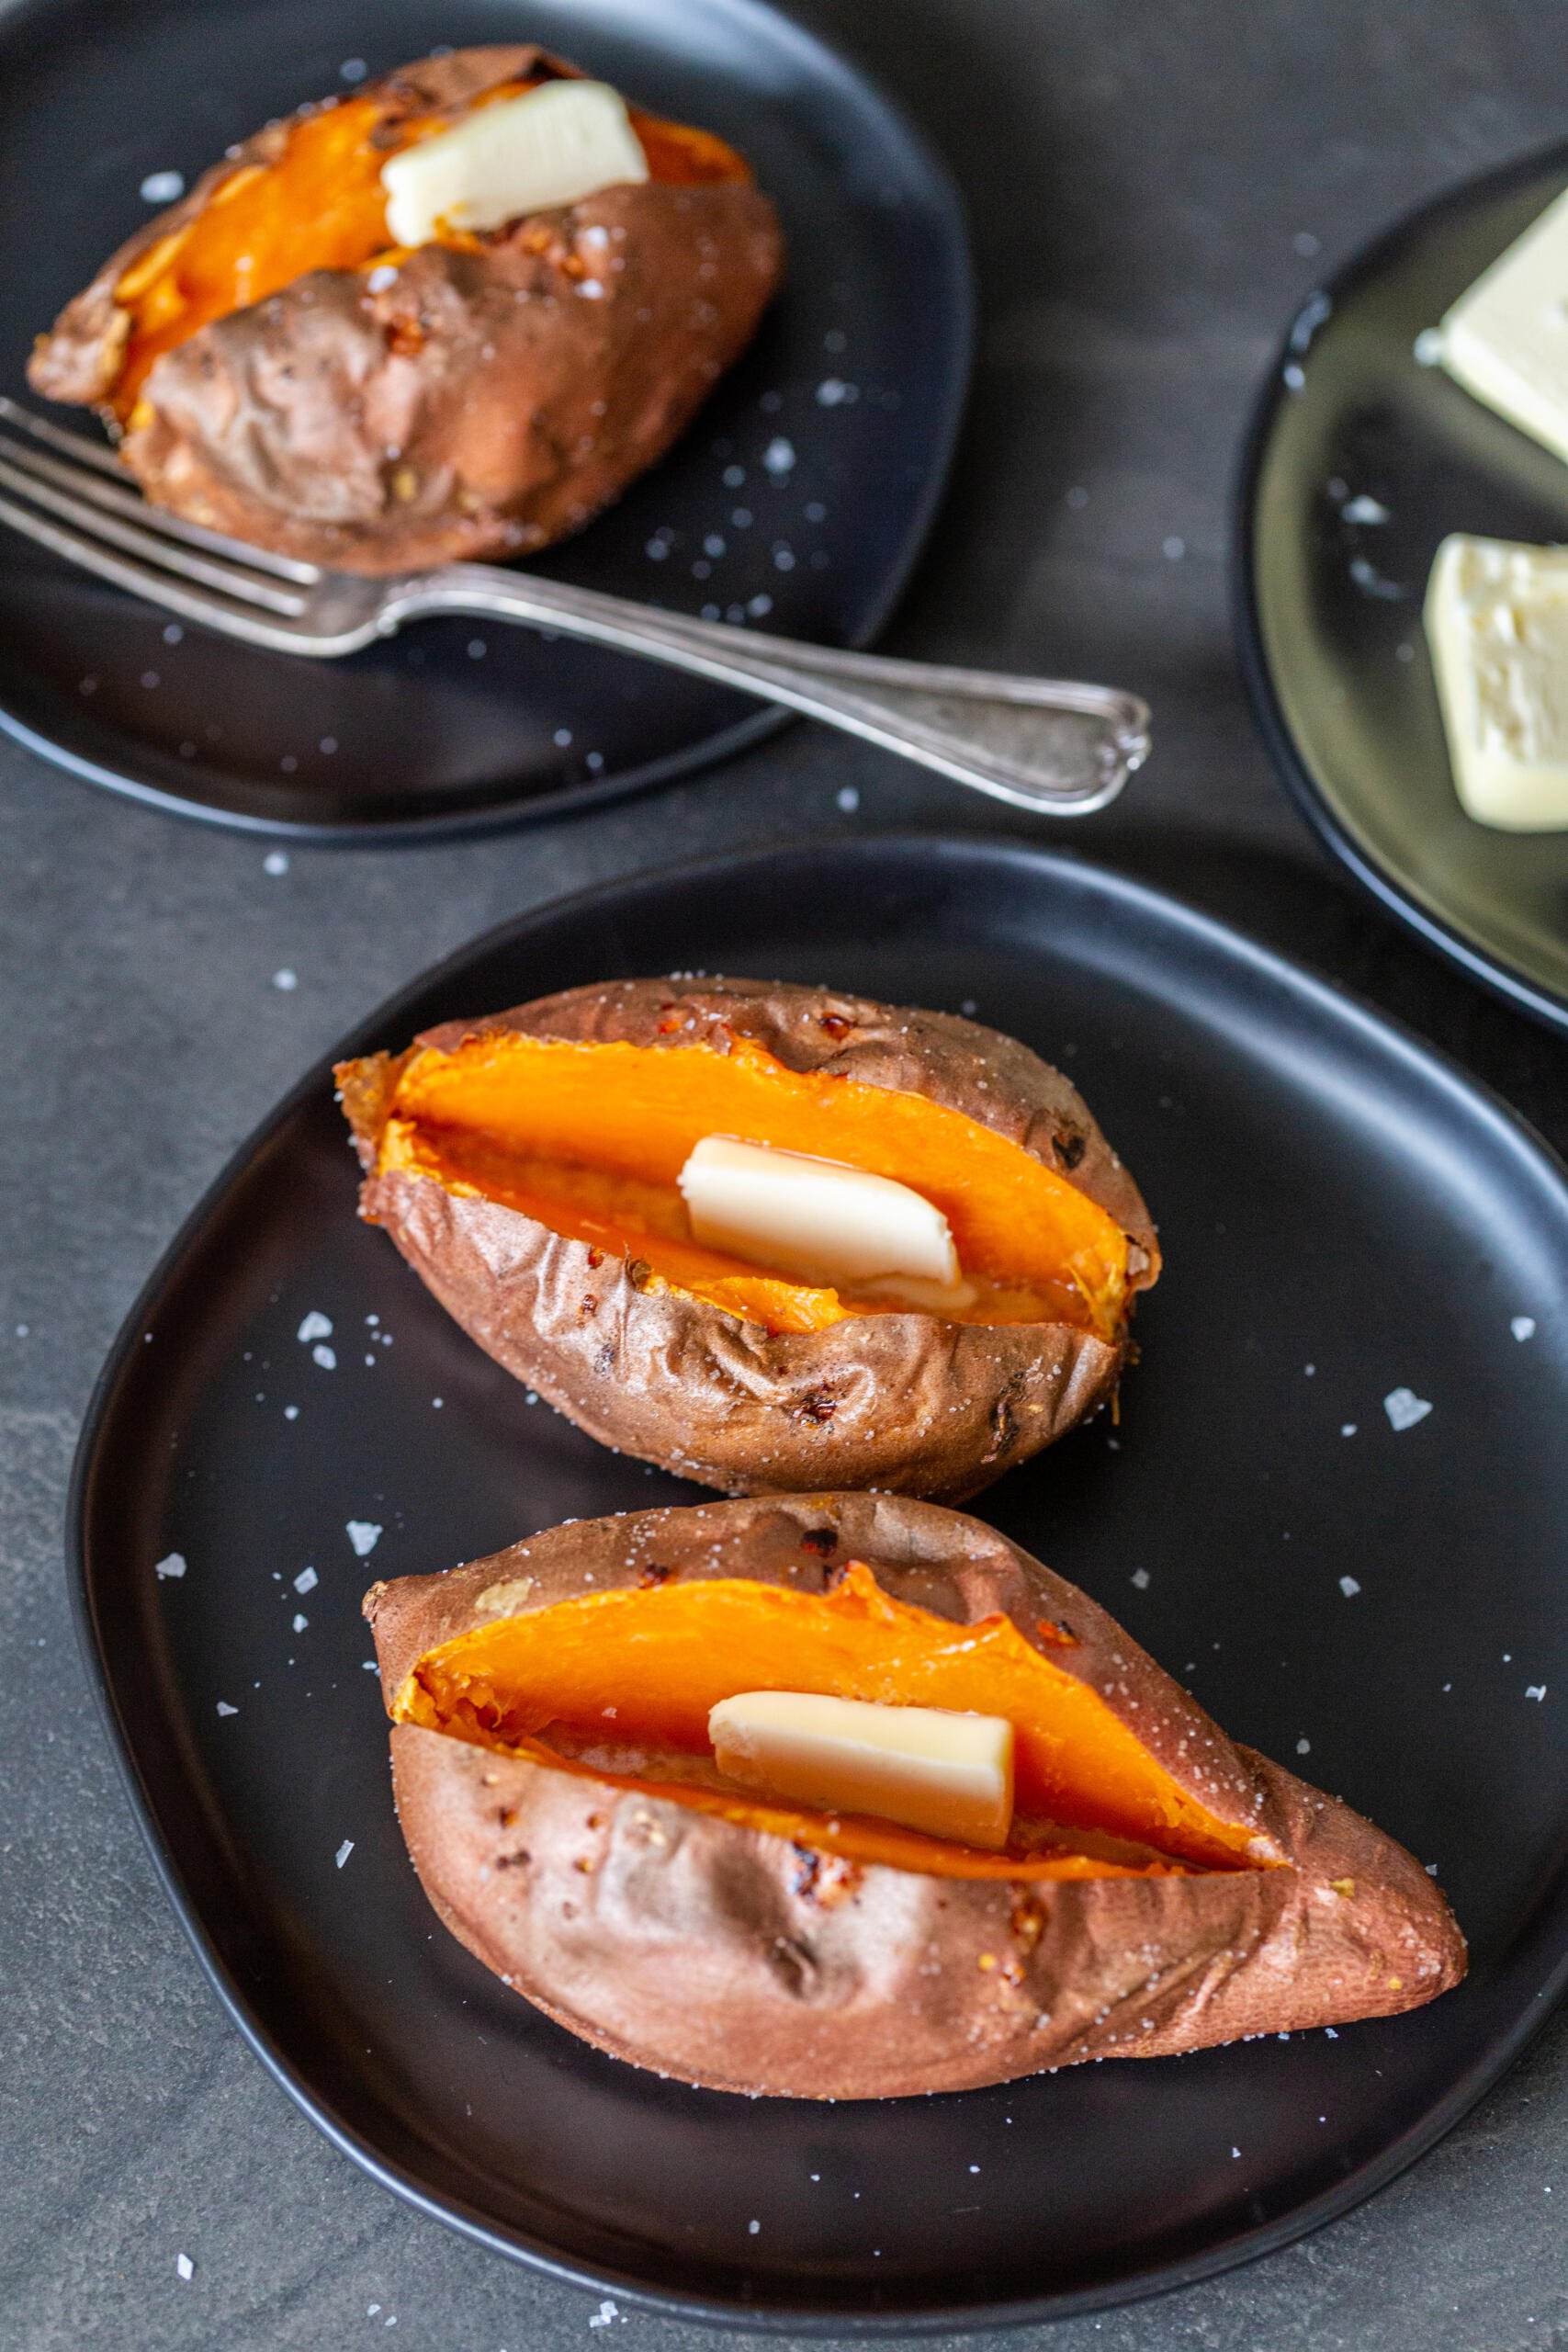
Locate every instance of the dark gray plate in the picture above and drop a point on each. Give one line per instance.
(1344, 1216)
(814, 469)
(1328, 605)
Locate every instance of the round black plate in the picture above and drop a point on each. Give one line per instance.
(799, 498)
(1345, 1217)
(1329, 604)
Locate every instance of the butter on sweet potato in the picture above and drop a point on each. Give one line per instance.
(527, 1166)
(1163, 1889)
(283, 374)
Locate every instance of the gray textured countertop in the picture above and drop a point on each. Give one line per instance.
(1152, 186)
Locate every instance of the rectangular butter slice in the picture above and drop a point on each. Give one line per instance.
(950, 1775)
(819, 1221)
(1506, 339)
(1496, 620)
(548, 146)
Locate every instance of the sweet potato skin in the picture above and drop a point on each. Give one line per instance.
(733, 1959)
(907, 1402)
(482, 403)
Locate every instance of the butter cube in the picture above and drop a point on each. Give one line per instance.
(950, 1775)
(1506, 338)
(550, 146)
(819, 1221)
(1496, 619)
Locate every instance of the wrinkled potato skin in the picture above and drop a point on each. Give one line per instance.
(308, 423)
(907, 1402)
(717, 1954)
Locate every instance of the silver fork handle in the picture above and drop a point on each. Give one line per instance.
(1037, 743)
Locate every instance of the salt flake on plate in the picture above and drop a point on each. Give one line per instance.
(364, 1534)
(316, 1325)
(1404, 1409)
(184, 2266)
(344, 1852)
(171, 1564)
(1349, 1588)
(1523, 1327)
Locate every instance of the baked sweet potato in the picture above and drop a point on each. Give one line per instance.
(526, 1165)
(1162, 1889)
(285, 373)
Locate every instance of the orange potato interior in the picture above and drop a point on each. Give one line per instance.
(320, 205)
(588, 1139)
(619, 1684)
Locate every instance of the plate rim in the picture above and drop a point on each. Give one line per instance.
(1451, 939)
(949, 212)
(1327, 999)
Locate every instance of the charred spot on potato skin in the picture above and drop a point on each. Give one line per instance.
(825, 1880)
(1004, 1420)
(519, 1860)
(588, 1305)
(823, 1540)
(817, 1407)
(1069, 1149)
(653, 1572)
(1057, 1630)
(837, 1024)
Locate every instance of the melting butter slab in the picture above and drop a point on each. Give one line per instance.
(819, 1221)
(1496, 620)
(950, 1775)
(1506, 339)
(552, 145)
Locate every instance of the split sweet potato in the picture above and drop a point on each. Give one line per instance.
(526, 1165)
(280, 370)
(1162, 1889)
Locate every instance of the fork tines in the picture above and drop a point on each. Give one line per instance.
(70, 494)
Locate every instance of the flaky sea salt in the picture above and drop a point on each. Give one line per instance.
(1404, 1409)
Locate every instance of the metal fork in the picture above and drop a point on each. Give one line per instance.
(1059, 748)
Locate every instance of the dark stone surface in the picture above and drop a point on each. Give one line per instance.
(1144, 177)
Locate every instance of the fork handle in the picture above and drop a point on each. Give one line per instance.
(1060, 749)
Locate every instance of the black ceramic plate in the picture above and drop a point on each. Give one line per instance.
(800, 496)
(1346, 1218)
(1353, 429)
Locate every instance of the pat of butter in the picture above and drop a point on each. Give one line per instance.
(1496, 621)
(949, 1775)
(821, 1222)
(1506, 338)
(552, 145)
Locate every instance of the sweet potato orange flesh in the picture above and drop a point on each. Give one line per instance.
(320, 205)
(620, 1683)
(588, 1140)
